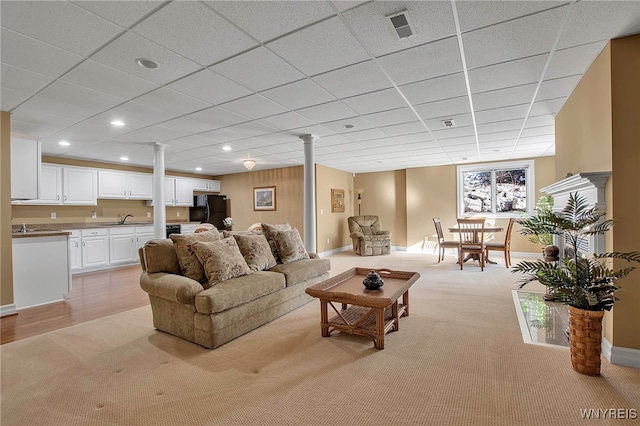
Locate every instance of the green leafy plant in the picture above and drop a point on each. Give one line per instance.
(543, 207)
(587, 284)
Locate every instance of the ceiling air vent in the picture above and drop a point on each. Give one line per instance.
(448, 123)
(401, 24)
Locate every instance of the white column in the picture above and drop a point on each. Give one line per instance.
(159, 210)
(309, 213)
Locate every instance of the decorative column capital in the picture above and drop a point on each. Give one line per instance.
(308, 138)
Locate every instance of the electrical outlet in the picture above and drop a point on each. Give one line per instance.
(53, 215)
(148, 214)
(327, 241)
(177, 214)
(93, 215)
(321, 211)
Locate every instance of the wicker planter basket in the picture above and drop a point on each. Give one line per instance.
(585, 335)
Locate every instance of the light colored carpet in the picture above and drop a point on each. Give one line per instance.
(458, 359)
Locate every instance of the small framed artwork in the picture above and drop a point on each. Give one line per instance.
(264, 198)
(337, 200)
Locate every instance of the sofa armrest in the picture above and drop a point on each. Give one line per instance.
(172, 287)
(356, 235)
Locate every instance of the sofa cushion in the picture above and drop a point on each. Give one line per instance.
(221, 260)
(301, 270)
(267, 230)
(256, 251)
(160, 256)
(236, 291)
(189, 263)
(290, 245)
(226, 233)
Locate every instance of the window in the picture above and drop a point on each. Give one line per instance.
(497, 189)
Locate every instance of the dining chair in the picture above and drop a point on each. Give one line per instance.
(504, 246)
(471, 233)
(442, 243)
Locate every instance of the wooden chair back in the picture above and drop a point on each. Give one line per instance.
(471, 231)
(439, 233)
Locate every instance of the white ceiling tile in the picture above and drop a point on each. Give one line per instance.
(258, 69)
(429, 21)
(251, 128)
(280, 137)
(403, 129)
(413, 138)
(123, 13)
(210, 87)
(435, 89)
(444, 108)
(377, 101)
(328, 112)
(367, 135)
(96, 76)
(358, 123)
(600, 21)
(440, 133)
(508, 74)
(151, 134)
(138, 112)
(530, 140)
(510, 136)
(270, 19)
(26, 123)
(255, 106)
(353, 80)
(222, 135)
(69, 111)
(194, 31)
(538, 131)
(218, 117)
(389, 118)
(42, 58)
(500, 126)
(22, 80)
(547, 107)
(300, 94)
(417, 63)
(557, 88)
(477, 14)
(12, 98)
(286, 121)
(504, 97)
(502, 114)
(574, 60)
(49, 22)
(91, 130)
(188, 142)
(461, 120)
(171, 101)
(320, 47)
(80, 96)
(187, 125)
(539, 121)
(123, 52)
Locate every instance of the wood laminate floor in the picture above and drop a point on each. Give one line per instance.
(94, 295)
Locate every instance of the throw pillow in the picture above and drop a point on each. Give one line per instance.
(256, 251)
(160, 256)
(222, 260)
(267, 230)
(189, 263)
(290, 245)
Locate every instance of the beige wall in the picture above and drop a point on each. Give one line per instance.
(597, 130)
(6, 257)
(332, 226)
(385, 196)
(289, 183)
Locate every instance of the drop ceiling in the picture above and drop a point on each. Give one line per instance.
(255, 76)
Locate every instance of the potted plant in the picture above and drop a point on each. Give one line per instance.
(228, 223)
(586, 285)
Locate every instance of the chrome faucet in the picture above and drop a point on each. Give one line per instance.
(23, 227)
(125, 218)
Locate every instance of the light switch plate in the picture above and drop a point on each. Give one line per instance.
(53, 215)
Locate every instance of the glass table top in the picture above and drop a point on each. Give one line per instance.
(541, 321)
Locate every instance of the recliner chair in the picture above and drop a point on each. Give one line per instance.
(369, 239)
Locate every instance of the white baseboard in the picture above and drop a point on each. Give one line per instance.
(398, 248)
(334, 251)
(6, 310)
(620, 356)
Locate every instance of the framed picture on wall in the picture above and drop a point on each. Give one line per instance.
(337, 200)
(264, 198)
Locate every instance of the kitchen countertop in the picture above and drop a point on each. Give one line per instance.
(31, 234)
(52, 229)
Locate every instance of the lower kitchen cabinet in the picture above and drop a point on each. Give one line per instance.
(95, 247)
(121, 245)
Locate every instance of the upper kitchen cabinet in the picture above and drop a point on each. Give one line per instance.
(125, 185)
(206, 185)
(177, 192)
(67, 185)
(25, 169)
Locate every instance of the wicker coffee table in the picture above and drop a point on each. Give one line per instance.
(364, 312)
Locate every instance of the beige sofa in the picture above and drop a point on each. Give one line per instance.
(213, 316)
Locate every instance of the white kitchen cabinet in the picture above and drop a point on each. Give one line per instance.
(50, 186)
(121, 245)
(183, 192)
(188, 228)
(75, 250)
(80, 186)
(206, 185)
(115, 184)
(25, 169)
(143, 234)
(95, 247)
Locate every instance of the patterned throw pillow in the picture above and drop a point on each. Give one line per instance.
(290, 245)
(256, 251)
(222, 260)
(268, 230)
(189, 263)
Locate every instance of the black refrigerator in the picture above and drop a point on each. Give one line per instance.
(209, 209)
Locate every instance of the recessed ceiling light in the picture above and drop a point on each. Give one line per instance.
(198, 169)
(226, 148)
(348, 126)
(64, 143)
(124, 158)
(147, 63)
(117, 123)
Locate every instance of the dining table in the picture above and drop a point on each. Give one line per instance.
(487, 229)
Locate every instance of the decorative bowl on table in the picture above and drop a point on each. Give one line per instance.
(373, 281)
